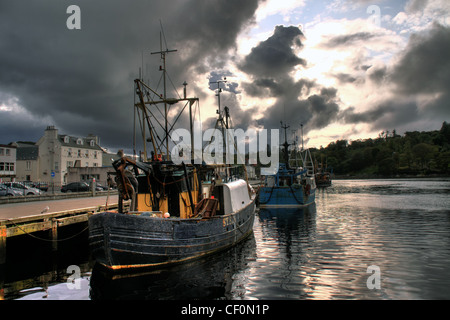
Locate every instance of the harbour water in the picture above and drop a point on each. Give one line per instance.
(363, 239)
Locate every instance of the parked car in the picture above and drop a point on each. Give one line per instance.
(10, 192)
(99, 187)
(75, 187)
(43, 186)
(25, 190)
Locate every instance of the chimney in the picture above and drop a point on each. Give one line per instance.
(51, 132)
(93, 137)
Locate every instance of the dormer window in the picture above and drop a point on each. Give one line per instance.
(66, 139)
(92, 143)
(79, 141)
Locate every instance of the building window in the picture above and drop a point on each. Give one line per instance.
(69, 164)
(95, 154)
(28, 165)
(69, 152)
(56, 166)
(8, 152)
(95, 164)
(6, 166)
(79, 153)
(2, 151)
(79, 141)
(92, 143)
(86, 155)
(66, 139)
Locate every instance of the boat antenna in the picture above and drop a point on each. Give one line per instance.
(163, 69)
(286, 144)
(301, 128)
(219, 90)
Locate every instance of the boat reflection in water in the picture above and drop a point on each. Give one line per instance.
(208, 278)
(279, 244)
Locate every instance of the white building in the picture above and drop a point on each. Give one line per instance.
(7, 162)
(59, 152)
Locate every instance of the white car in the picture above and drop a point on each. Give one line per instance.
(25, 190)
(9, 192)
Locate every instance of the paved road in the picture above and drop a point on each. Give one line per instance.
(16, 210)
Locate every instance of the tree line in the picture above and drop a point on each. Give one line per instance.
(390, 154)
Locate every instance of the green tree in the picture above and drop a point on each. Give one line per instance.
(424, 152)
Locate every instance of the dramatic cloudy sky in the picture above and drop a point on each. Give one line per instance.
(345, 69)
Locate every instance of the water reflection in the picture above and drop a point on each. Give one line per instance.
(319, 252)
(208, 278)
(32, 267)
(284, 238)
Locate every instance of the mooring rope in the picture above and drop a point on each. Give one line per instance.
(293, 193)
(270, 196)
(43, 239)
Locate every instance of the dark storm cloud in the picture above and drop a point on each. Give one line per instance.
(270, 64)
(348, 39)
(387, 115)
(83, 79)
(209, 28)
(425, 65)
(423, 69)
(377, 75)
(225, 84)
(275, 55)
(345, 78)
(315, 111)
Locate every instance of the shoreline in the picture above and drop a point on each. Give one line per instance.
(379, 177)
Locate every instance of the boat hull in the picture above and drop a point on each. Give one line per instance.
(124, 241)
(287, 196)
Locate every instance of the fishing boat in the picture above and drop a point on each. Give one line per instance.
(291, 185)
(169, 212)
(323, 179)
(323, 175)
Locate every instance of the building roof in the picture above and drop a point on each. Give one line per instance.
(26, 151)
(72, 142)
(7, 146)
(108, 159)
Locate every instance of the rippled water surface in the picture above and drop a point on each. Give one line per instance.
(401, 227)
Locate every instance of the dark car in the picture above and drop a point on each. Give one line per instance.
(76, 187)
(43, 186)
(99, 187)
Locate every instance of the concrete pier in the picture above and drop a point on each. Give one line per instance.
(26, 218)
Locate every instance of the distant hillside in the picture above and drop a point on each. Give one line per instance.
(414, 153)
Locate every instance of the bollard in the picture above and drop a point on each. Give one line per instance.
(54, 234)
(2, 244)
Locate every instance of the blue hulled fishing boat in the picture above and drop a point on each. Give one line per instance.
(291, 185)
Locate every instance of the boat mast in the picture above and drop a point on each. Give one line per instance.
(286, 144)
(163, 69)
(220, 121)
(219, 90)
(301, 128)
